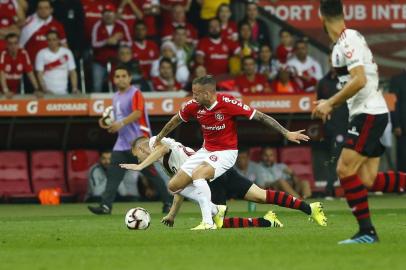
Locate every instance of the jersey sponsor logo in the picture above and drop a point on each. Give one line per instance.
(213, 158)
(353, 131)
(217, 128)
(236, 102)
(219, 116)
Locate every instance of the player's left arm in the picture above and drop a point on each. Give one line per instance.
(293, 136)
(169, 219)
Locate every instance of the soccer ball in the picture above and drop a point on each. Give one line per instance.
(137, 219)
(108, 116)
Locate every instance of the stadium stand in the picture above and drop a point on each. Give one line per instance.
(78, 163)
(14, 176)
(47, 170)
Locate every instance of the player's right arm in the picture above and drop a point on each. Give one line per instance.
(168, 128)
(159, 151)
(169, 219)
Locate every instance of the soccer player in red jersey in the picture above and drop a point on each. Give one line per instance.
(216, 113)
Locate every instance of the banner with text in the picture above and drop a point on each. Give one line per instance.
(155, 106)
(359, 13)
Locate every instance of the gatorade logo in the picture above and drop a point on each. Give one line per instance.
(167, 105)
(32, 107)
(98, 106)
(304, 103)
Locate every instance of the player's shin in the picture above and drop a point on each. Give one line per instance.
(284, 199)
(389, 181)
(203, 196)
(357, 199)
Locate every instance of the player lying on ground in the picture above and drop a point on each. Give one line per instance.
(216, 114)
(172, 155)
(359, 82)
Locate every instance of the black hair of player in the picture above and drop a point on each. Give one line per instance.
(123, 67)
(331, 8)
(205, 80)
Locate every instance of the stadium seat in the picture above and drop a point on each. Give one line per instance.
(47, 170)
(78, 163)
(299, 159)
(14, 179)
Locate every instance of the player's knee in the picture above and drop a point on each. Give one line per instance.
(344, 170)
(173, 187)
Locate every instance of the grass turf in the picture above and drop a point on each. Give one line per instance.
(69, 237)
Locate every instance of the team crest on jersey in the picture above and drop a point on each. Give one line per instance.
(4, 22)
(219, 116)
(19, 67)
(213, 158)
(349, 54)
(151, 53)
(7, 68)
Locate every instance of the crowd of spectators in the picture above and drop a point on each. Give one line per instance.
(163, 42)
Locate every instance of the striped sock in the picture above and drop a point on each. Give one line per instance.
(357, 199)
(238, 222)
(389, 181)
(286, 200)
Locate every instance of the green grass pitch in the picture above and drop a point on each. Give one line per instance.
(69, 237)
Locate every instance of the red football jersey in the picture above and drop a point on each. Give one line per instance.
(229, 31)
(161, 85)
(169, 29)
(259, 86)
(283, 54)
(93, 12)
(8, 13)
(14, 68)
(167, 14)
(218, 122)
(145, 53)
(216, 55)
(37, 40)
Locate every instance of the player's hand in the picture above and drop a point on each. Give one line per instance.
(9, 94)
(102, 125)
(115, 127)
(168, 220)
(323, 110)
(133, 167)
(297, 136)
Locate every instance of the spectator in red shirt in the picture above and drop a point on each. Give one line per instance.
(33, 34)
(93, 12)
(179, 19)
(285, 84)
(167, 7)
(285, 50)
(166, 80)
(15, 61)
(229, 30)
(145, 51)
(251, 82)
(151, 10)
(266, 65)
(129, 12)
(259, 29)
(212, 52)
(107, 34)
(12, 14)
